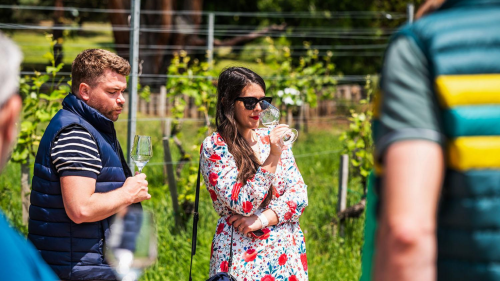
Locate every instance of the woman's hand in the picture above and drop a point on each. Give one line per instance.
(276, 139)
(245, 225)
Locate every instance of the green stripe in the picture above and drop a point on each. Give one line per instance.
(472, 121)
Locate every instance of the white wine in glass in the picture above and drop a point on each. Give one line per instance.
(270, 117)
(142, 151)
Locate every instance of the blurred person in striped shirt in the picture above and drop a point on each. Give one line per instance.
(81, 178)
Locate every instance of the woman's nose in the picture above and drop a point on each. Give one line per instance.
(257, 107)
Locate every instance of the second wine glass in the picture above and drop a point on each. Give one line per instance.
(270, 117)
(142, 151)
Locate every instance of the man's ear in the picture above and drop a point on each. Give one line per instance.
(9, 118)
(84, 91)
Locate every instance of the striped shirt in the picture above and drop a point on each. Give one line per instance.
(75, 153)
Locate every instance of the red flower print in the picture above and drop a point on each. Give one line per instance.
(267, 278)
(214, 158)
(219, 141)
(212, 195)
(282, 259)
(236, 191)
(294, 243)
(264, 139)
(276, 193)
(220, 228)
(247, 206)
(292, 205)
(267, 233)
(250, 255)
(288, 215)
(224, 266)
(213, 179)
(263, 170)
(293, 278)
(303, 259)
(212, 250)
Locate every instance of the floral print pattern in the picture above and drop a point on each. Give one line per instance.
(279, 254)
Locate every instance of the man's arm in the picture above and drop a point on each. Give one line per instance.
(406, 238)
(83, 204)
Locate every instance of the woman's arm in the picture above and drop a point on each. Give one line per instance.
(291, 204)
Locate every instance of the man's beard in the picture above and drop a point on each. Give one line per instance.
(104, 111)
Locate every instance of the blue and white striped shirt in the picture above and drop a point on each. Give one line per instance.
(75, 153)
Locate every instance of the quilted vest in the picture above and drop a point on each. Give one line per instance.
(74, 251)
(462, 44)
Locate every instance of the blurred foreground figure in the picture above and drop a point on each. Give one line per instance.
(81, 178)
(437, 138)
(19, 260)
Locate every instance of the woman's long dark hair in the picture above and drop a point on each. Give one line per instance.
(231, 83)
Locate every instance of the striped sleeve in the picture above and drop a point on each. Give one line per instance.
(75, 153)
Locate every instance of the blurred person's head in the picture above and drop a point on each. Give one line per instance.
(235, 117)
(10, 101)
(98, 77)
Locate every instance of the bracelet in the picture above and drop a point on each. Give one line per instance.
(262, 218)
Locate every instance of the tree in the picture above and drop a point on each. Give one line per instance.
(170, 27)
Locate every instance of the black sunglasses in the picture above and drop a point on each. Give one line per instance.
(251, 102)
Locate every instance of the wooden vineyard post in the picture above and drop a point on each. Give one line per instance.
(168, 167)
(342, 194)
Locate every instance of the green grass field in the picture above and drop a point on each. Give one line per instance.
(330, 257)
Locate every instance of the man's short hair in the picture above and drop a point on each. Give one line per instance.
(11, 58)
(91, 63)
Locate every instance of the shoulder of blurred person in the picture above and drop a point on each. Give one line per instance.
(18, 258)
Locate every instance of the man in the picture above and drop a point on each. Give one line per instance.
(19, 260)
(437, 138)
(81, 177)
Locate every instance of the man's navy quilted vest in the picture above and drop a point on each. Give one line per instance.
(74, 251)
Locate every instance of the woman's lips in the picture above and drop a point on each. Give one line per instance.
(255, 117)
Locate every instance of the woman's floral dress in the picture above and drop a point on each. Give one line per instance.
(280, 254)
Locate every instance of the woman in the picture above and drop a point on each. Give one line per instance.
(255, 185)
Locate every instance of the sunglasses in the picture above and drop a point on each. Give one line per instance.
(251, 102)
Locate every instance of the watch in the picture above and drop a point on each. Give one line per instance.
(262, 218)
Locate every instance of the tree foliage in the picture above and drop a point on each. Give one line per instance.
(357, 139)
(42, 95)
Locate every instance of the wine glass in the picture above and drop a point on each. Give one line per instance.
(132, 244)
(270, 118)
(142, 151)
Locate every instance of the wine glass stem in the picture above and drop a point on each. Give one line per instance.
(140, 170)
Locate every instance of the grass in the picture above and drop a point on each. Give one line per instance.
(34, 44)
(317, 153)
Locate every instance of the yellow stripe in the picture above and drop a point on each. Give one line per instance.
(454, 90)
(466, 153)
(377, 103)
(379, 169)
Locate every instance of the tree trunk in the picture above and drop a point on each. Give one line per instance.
(118, 21)
(25, 190)
(154, 52)
(57, 34)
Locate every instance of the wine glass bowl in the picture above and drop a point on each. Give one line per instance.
(270, 117)
(132, 243)
(142, 151)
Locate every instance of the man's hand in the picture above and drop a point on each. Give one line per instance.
(137, 188)
(245, 225)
